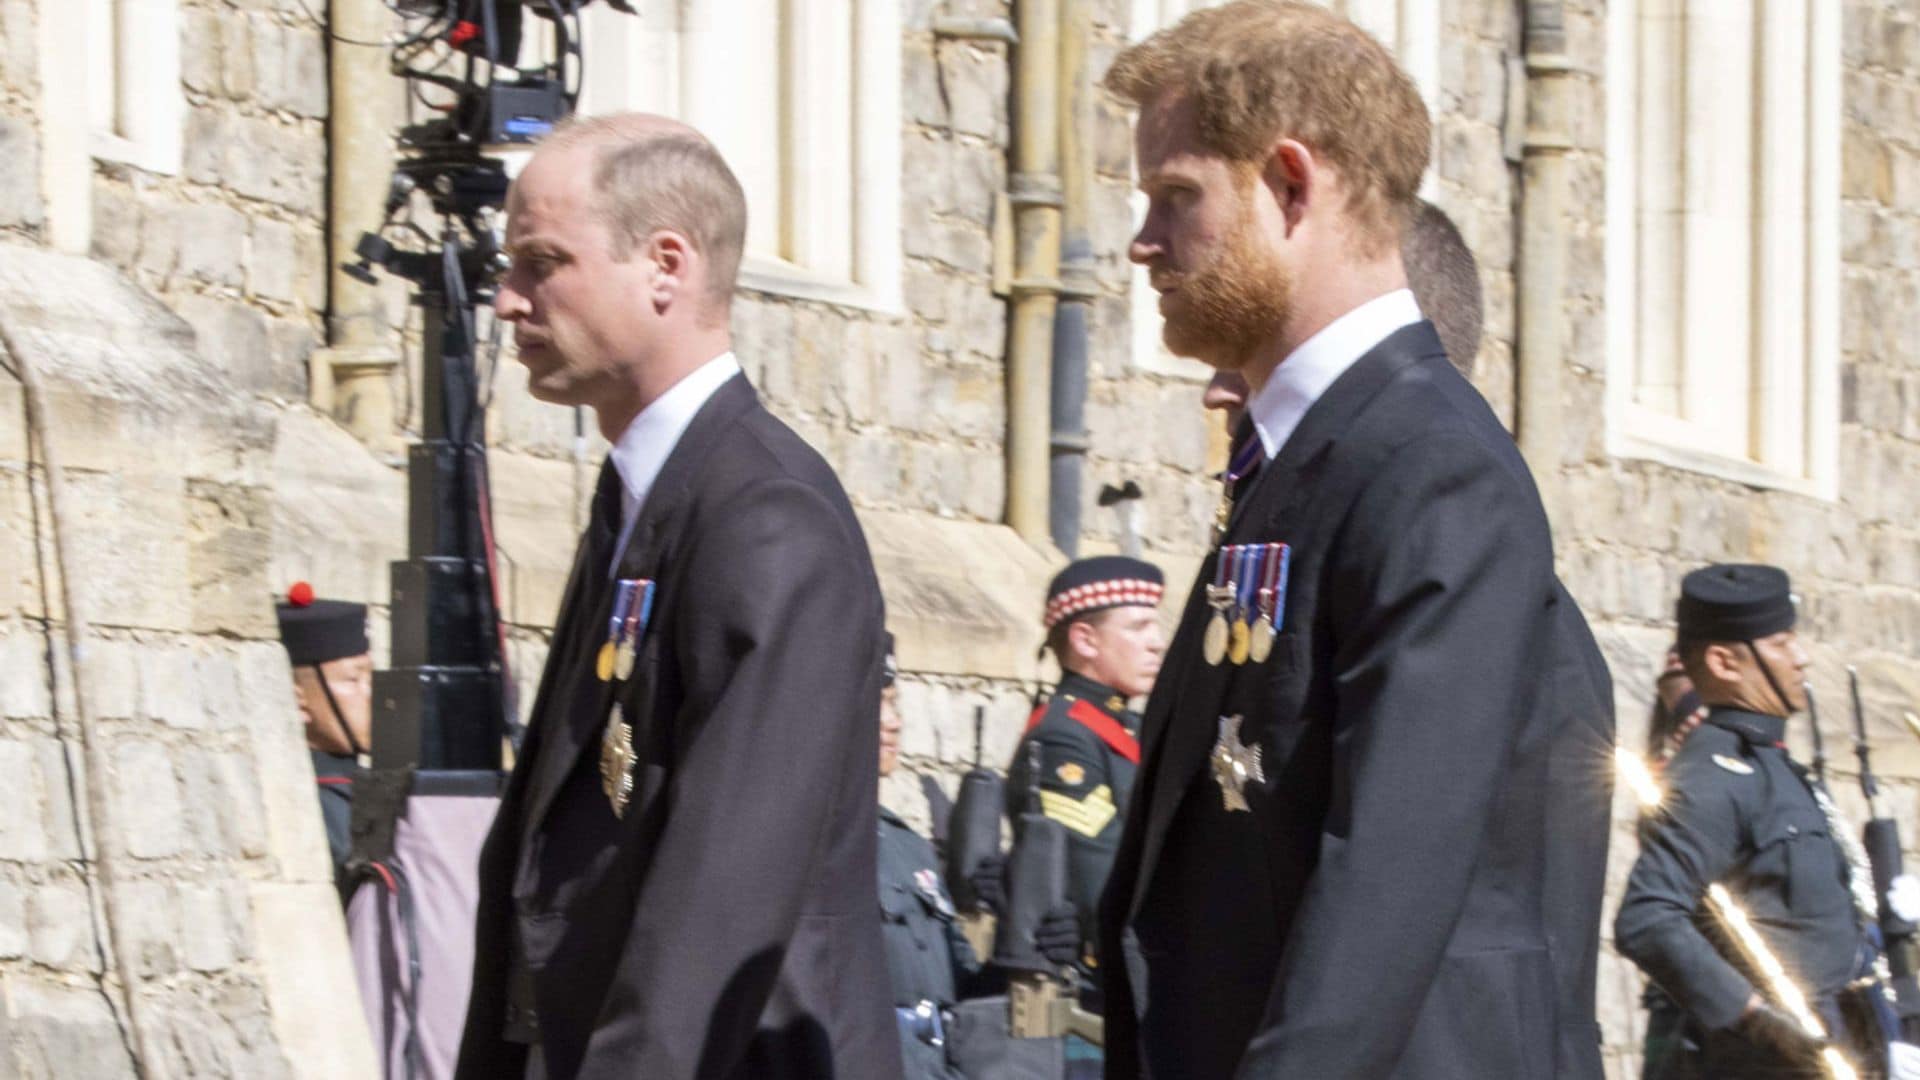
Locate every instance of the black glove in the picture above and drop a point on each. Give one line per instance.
(1058, 936)
(989, 883)
(1771, 1028)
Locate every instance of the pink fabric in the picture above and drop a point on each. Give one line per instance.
(437, 849)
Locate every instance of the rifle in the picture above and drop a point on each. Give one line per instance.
(1881, 838)
(973, 837)
(1042, 1001)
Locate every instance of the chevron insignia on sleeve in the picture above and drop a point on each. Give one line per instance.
(1087, 816)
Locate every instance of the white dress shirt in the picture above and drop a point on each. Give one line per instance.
(1312, 367)
(643, 448)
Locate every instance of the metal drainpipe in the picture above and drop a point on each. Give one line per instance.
(1077, 284)
(1541, 275)
(1034, 192)
(351, 378)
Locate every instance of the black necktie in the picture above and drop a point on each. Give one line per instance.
(603, 527)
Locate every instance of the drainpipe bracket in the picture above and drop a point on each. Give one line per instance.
(1549, 63)
(1066, 443)
(1035, 189)
(960, 28)
(1020, 287)
(1078, 282)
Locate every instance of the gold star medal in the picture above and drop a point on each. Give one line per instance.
(616, 761)
(1235, 765)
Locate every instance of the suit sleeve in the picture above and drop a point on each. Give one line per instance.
(1439, 616)
(1691, 844)
(779, 646)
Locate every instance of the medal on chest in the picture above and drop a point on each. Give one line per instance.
(616, 761)
(1235, 765)
(632, 607)
(1269, 600)
(1246, 460)
(1214, 643)
(1245, 579)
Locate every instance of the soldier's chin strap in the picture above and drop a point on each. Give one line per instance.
(340, 718)
(1813, 716)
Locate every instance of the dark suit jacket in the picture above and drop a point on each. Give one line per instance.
(725, 925)
(1389, 908)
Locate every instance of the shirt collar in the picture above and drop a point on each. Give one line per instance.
(1313, 366)
(642, 449)
(1756, 729)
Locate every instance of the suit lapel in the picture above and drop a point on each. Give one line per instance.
(1181, 722)
(583, 701)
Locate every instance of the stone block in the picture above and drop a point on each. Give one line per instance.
(13, 922)
(152, 929)
(975, 79)
(271, 260)
(25, 693)
(60, 927)
(209, 130)
(167, 685)
(306, 76)
(234, 337)
(58, 1030)
(146, 795)
(310, 267)
(18, 37)
(116, 224)
(923, 99)
(238, 75)
(62, 774)
(209, 930)
(306, 971)
(22, 835)
(19, 174)
(200, 67)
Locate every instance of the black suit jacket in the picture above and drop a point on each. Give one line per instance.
(1391, 906)
(725, 925)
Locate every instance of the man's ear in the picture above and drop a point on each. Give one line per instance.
(1081, 639)
(1722, 663)
(1288, 178)
(673, 260)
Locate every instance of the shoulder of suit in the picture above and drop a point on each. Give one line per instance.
(1056, 724)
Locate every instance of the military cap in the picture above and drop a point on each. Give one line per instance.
(1734, 602)
(316, 631)
(1102, 582)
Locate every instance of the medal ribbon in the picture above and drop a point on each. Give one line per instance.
(645, 606)
(1285, 558)
(1269, 581)
(1223, 568)
(622, 601)
(1249, 576)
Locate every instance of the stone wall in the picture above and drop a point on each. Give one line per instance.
(223, 891)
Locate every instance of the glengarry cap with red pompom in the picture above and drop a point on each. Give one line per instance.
(316, 631)
(1101, 582)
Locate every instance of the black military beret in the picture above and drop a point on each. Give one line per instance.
(1734, 602)
(889, 666)
(1101, 582)
(316, 631)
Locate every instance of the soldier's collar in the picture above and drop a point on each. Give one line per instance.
(1073, 684)
(1755, 729)
(891, 818)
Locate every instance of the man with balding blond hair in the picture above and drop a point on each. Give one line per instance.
(680, 879)
(1363, 843)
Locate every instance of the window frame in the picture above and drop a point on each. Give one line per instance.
(1774, 378)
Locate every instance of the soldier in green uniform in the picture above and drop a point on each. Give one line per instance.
(1103, 627)
(931, 965)
(1740, 812)
(326, 641)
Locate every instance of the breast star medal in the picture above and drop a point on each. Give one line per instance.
(616, 761)
(1235, 765)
